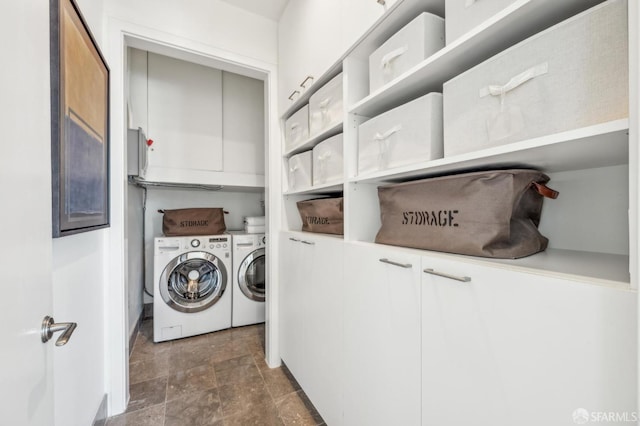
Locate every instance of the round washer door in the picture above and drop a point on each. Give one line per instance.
(251, 275)
(193, 281)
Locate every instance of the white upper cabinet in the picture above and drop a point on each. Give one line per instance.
(309, 42)
(207, 125)
(185, 115)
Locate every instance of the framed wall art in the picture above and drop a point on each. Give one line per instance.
(79, 124)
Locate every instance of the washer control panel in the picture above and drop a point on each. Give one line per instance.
(211, 243)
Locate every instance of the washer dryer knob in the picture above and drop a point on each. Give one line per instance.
(195, 243)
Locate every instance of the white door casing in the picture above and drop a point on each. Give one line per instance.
(26, 396)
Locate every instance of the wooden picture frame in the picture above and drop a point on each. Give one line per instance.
(79, 124)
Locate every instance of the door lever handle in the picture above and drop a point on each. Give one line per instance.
(49, 327)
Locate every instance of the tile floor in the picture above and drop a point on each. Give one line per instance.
(219, 379)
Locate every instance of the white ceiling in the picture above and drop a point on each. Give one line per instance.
(271, 9)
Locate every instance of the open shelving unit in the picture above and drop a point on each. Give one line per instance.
(577, 156)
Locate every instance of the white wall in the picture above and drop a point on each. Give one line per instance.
(210, 22)
(78, 295)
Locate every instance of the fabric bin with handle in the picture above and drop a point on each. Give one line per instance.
(416, 41)
(490, 213)
(296, 129)
(323, 215)
(570, 76)
(327, 161)
(326, 108)
(193, 221)
(299, 172)
(408, 134)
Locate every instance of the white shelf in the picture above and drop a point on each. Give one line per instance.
(605, 269)
(313, 141)
(519, 21)
(329, 188)
(601, 145)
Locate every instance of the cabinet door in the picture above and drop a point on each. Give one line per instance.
(185, 115)
(309, 38)
(381, 337)
(293, 305)
(311, 318)
(324, 326)
(509, 347)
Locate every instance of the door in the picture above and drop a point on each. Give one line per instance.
(26, 396)
(251, 275)
(381, 336)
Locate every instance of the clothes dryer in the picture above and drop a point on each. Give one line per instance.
(248, 279)
(192, 290)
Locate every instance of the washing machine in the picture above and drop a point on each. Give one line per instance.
(248, 279)
(192, 291)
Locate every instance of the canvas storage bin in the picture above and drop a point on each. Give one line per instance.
(465, 15)
(326, 107)
(570, 76)
(327, 161)
(490, 213)
(193, 221)
(299, 173)
(412, 44)
(323, 215)
(410, 133)
(296, 129)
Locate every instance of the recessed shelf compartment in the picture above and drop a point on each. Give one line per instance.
(517, 22)
(330, 188)
(313, 141)
(601, 145)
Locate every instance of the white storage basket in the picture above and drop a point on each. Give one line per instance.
(408, 134)
(415, 42)
(571, 76)
(327, 161)
(299, 172)
(296, 129)
(326, 107)
(465, 15)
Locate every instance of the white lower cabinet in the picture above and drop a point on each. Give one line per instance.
(509, 347)
(381, 336)
(311, 296)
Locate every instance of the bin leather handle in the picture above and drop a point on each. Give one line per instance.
(545, 191)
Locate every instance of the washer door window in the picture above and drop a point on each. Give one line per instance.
(193, 281)
(251, 275)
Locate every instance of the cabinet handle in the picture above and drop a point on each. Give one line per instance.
(391, 262)
(309, 77)
(382, 2)
(451, 277)
(295, 92)
(294, 239)
(311, 243)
